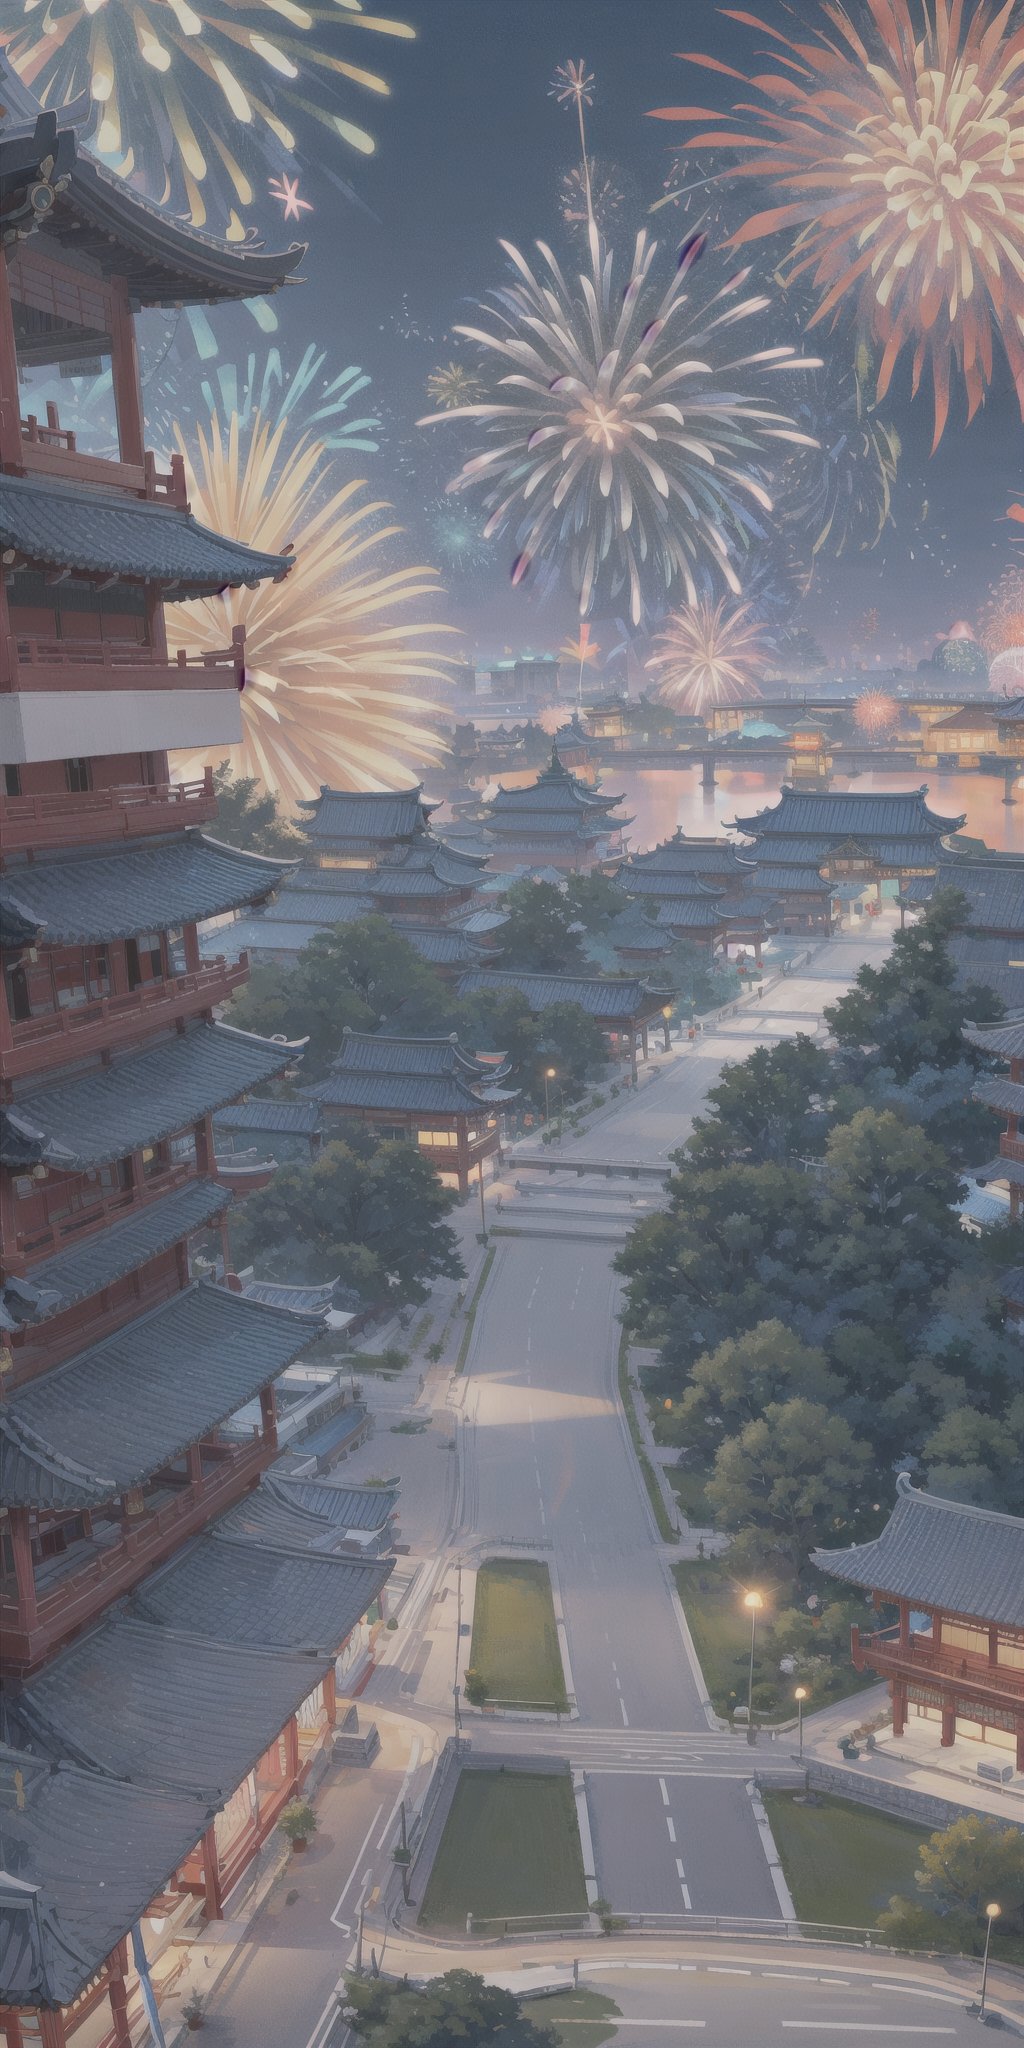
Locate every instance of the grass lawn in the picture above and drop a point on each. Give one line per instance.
(588, 2017)
(712, 1597)
(687, 1483)
(511, 1845)
(515, 1640)
(843, 1863)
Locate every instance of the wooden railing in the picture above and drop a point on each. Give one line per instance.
(71, 1230)
(1011, 1146)
(59, 818)
(34, 663)
(973, 1676)
(93, 1026)
(52, 450)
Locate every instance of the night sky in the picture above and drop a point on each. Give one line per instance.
(470, 147)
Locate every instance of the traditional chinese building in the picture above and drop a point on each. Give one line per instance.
(167, 1682)
(428, 1092)
(555, 822)
(1004, 1095)
(988, 945)
(703, 890)
(955, 1655)
(624, 1010)
(809, 844)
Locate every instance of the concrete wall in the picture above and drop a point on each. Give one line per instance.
(892, 1798)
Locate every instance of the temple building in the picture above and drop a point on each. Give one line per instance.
(811, 844)
(624, 1010)
(1004, 1095)
(988, 945)
(168, 1680)
(427, 1092)
(702, 890)
(556, 822)
(371, 853)
(955, 1655)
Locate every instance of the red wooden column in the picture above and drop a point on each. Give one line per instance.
(125, 369)
(331, 1697)
(212, 1895)
(948, 1736)
(268, 1415)
(11, 2024)
(1020, 1745)
(10, 403)
(899, 1705)
(291, 1751)
(52, 2030)
(117, 1991)
(24, 1570)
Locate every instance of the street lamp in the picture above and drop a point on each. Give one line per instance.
(549, 1075)
(800, 1695)
(753, 1602)
(991, 1914)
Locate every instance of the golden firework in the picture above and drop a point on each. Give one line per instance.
(331, 676)
(181, 90)
(452, 385)
(709, 654)
(901, 157)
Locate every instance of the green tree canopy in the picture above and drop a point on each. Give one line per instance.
(787, 1482)
(741, 1378)
(910, 1012)
(592, 900)
(372, 1215)
(972, 1864)
(537, 935)
(357, 974)
(771, 1106)
(248, 816)
(979, 1458)
(457, 2010)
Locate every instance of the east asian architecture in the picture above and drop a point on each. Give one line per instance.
(556, 822)
(1004, 1094)
(702, 890)
(429, 1092)
(811, 844)
(954, 1657)
(168, 1670)
(987, 947)
(624, 1010)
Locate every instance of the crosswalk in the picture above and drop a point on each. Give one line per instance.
(640, 1752)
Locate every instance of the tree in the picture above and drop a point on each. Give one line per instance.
(248, 817)
(374, 1216)
(740, 1379)
(971, 1863)
(592, 900)
(537, 935)
(880, 1167)
(356, 974)
(910, 1012)
(978, 1458)
(457, 2010)
(770, 1106)
(788, 1481)
(572, 1043)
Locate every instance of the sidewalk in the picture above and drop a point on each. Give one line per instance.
(912, 1764)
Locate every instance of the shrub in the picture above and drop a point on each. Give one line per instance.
(475, 1687)
(298, 1821)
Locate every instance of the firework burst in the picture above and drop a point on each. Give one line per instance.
(876, 714)
(331, 677)
(901, 158)
(182, 91)
(838, 490)
(616, 448)
(707, 655)
(605, 199)
(452, 385)
(1002, 616)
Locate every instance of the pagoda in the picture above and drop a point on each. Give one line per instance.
(1003, 1093)
(812, 843)
(427, 1092)
(168, 1677)
(556, 822)
(703, 890)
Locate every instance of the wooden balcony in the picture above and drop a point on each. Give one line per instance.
(87, 1586)
(88, 817)
(1011, 1146)
(33, 1245)
(33, 663)
(57, 1036)
(917, 1660)
(51, 450)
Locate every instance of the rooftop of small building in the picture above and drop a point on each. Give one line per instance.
(365, 814)
(600, 997)
(943, 1554)
(832, 814)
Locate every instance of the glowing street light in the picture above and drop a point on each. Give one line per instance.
(753, 1602)
(800, 1695)
(549, 1075)
(991, 1915)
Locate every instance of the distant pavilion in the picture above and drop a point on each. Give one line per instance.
(811, 845)
(556, 822)
(427, 1092)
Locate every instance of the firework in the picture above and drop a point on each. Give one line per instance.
(707, 655)
(900, 158)
(452, 385)
(876, 714)
(606, 199)
(456, 537)
(837, 491)
(615, 448)
(1002, 616)
(306, 400)
(184, 91)
(331, 676)
(583, 652)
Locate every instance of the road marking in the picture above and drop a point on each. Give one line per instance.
(725, 1970)
(324, 2025)
(685, 1889)
(350, 1880)
(671, 1826)
(625, 1716)
(865, 2027)
(664, 1788)
(680, 1872)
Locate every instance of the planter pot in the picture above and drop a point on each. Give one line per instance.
(194, 2026)
(299, 1845)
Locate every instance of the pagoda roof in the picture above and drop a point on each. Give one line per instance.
(782, 881)
(365, 816)
(114, 1414)
(233, 1590)
(606, 1000)
(680, 855)
(993, 962)
(1011, 712)
(106, 221)
(320, 907)
(994, 889)
(380, 1052)
(288, 1514)
(104, 1113)
(939, 1553)
(89, 1263)
(412, 1094)
(632, 931)
(344, 1507)
(996, 1093)
(999, 1169)
(22, 1145)
(144, 888)
(83, 1855)
(264, 1114)
(18, 928)
(82, 527)
(642, 882)
(311, 1302)
(1004, 1041)
(440, 945)
(691, 912)
(161, 1708)
(844, 814)
(417, 878)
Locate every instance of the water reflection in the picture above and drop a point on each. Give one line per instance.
(662, 798)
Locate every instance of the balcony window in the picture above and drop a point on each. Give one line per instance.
(19, 1004)
(437, 1138)
(12, 779)
(78, 775)
(144, 959)
(65, 377)
(154, 1161)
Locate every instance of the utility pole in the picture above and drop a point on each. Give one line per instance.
(483, 1211)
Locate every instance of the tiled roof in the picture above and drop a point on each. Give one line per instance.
(89, 1263)
(380, 1052)
(107, 1112)
(843, 814)
(680, 855)
(981, 957)
(83, 1854)
(782, 881)
(408, 1094)
(320, 908)
(365, 815)
(344, 1507)
(145, 888)
(328, 881)
(938, 1553)
(608, 1001)
(168, 1710)
(117, 1412)
(440, 945)
(413, 880)
(994, 890)
(74, 526)
(268, 1516)
(232, 1590)
(261, 1113)
(1005, 1096)
(23, 1144)
(633, 931)
(641, 882)
(310, 1302)
(18, 928)
(1005, 1041)
(273, 934)
(999, 1169)
(691, 912)
(1011, 1284)
(1012, 712)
